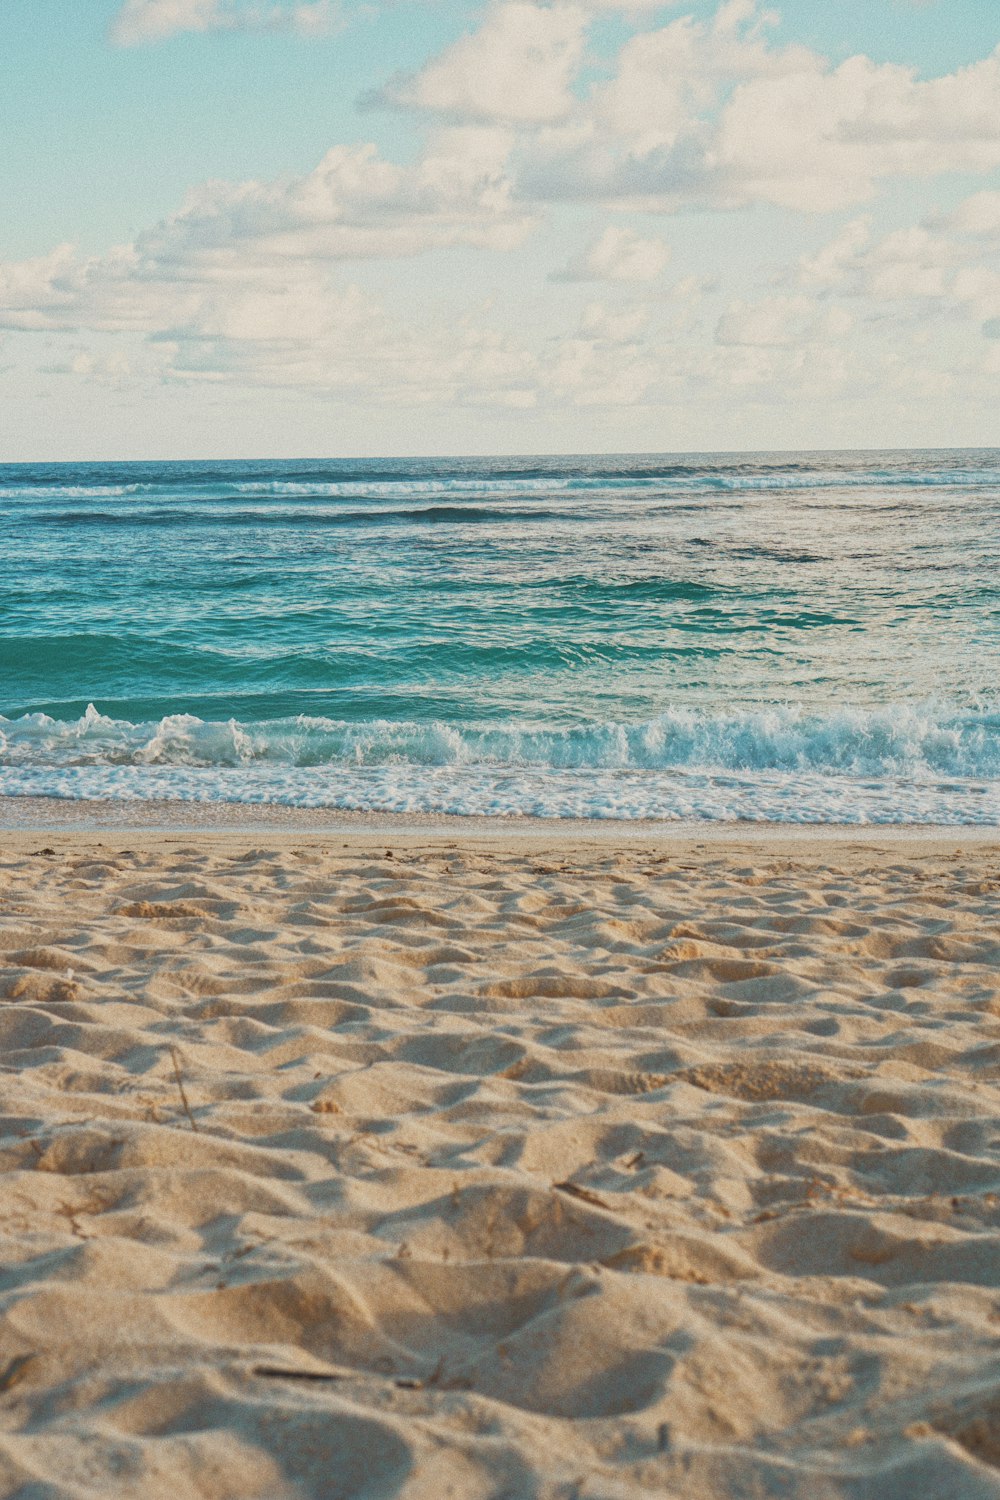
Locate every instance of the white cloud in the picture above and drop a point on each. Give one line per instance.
(691, 289)
(243, 284)
(229, 238)
(139, 22)
(143, 21)
(947, 264)
(668, 79)
(517, 66)
(827, 266)
(587, 372)
(978, 215)
(709, 112)
(314, 336)
(618, 254)
(114, 369)
(247, 285)
(819, 138)
(712, 112)
(613, 325)
(355, 204)
(774, 321)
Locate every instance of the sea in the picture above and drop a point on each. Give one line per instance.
(803, 638)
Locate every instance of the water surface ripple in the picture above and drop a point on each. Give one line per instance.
(805, 637)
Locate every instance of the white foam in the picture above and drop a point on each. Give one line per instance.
(905, 764)
(908, 740)
(783, 797)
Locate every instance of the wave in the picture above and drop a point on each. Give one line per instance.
(493, 482)
(184, 515)
(23, 491)
(909, 741)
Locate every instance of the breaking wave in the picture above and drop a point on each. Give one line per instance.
(900, 764)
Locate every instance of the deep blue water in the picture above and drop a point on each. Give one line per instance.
(806, 636)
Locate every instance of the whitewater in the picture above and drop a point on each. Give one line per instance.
(795, 638)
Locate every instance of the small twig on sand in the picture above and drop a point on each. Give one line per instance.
(275, 1372)
(584, 1194)
(180, 1086)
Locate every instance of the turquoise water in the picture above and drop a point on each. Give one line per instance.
(808, 637)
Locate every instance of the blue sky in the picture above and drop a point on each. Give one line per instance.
(249, 227)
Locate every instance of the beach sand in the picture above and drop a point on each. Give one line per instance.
(486, 1162)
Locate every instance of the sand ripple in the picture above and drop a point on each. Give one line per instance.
(457, 1172)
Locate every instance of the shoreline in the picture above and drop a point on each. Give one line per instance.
(29, 816)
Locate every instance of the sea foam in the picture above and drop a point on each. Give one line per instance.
(784, 763)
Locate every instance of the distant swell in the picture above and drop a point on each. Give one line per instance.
(216, 485)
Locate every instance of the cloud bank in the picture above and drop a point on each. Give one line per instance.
(518, 121)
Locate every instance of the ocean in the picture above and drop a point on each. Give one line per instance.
(791, 637)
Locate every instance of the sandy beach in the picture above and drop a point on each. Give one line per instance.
(383, 1161)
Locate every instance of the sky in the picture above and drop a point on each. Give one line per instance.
(310, 228)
